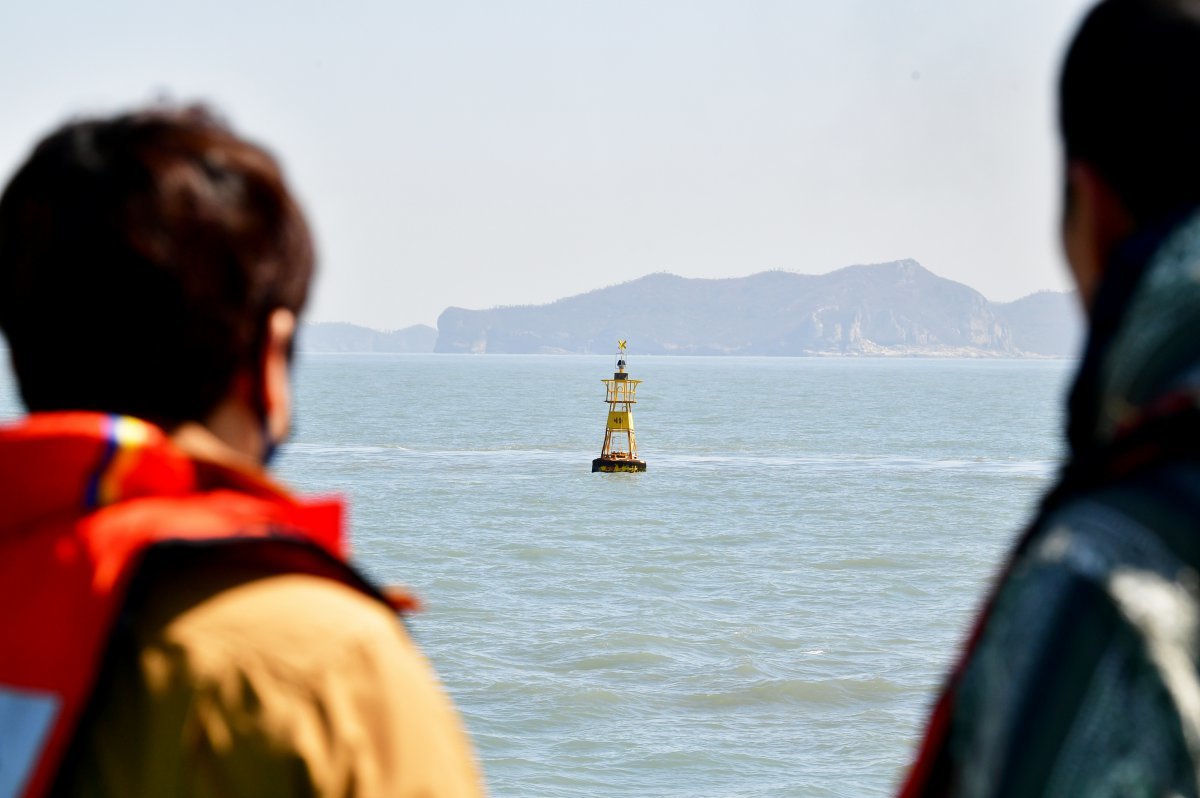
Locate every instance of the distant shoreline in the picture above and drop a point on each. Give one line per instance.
(812, 356)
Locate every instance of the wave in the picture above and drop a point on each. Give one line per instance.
(858, 462)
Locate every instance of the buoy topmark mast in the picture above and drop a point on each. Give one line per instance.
(619, 452)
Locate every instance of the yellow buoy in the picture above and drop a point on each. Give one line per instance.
(619, 452)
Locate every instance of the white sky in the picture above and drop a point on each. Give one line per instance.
(452, 152)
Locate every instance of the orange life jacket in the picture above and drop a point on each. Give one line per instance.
(84, 497)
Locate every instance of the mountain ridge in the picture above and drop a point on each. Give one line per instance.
(894, 308)
(891, 308)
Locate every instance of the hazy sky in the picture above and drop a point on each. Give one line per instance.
(505, 152)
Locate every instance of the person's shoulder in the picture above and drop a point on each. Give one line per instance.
(281, 684)
(1068, 646)
(293, 624)
(1144, 522)
(324, 672)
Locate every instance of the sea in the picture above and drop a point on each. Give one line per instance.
(768, 610)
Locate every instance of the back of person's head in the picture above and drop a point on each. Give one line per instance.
(1129, 102)
(140, 258)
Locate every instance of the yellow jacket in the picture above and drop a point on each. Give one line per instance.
(260, 685)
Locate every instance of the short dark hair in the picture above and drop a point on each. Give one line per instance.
(1129, 102)
(140, 258)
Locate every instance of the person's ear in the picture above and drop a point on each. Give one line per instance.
(1094, 221)
(275, 376)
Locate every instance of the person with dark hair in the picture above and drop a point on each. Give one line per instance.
(1082, 676)
(173, 622)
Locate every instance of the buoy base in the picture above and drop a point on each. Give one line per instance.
(610, 466)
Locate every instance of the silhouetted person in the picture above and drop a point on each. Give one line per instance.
(172, 622)
(1082, 676)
